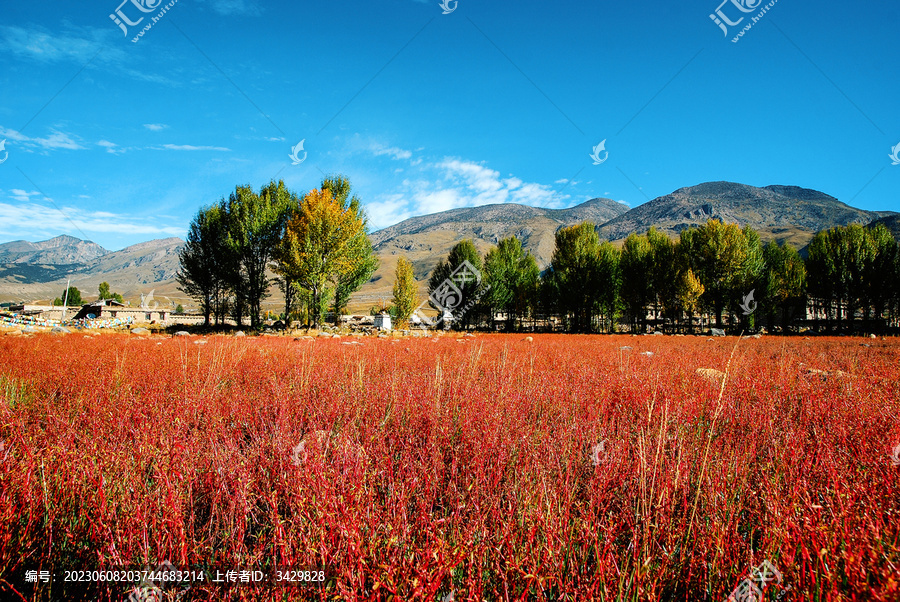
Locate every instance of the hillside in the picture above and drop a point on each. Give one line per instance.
(426, 239)
(781, 213)
(891, 222)
(61, 250)
(32, 271)
(133, 270)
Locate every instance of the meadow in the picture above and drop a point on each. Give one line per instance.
(493, 467)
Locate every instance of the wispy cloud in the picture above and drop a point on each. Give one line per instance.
(394, 152)
(56, 140)
(80, 46)
(27, 218)
(454, 183)
(156, 127)
(111, 147)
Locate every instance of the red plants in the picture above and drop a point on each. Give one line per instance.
(434, 466)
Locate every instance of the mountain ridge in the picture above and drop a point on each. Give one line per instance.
(782, 213)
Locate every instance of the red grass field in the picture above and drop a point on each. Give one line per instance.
(464, 465)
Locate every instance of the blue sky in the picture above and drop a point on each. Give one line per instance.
(121, 141)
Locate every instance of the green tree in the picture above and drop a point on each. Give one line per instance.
(256, 224)
(783, 284)
(838, 261)
(406, 296)
(104, 291)
(512, 274)
(637, 284)
(663, 273)
(205, 263)
(73, 298)
(607, 283)
(366, 261)
(572, 278)
(727, 261)
(461, 304)
(179, 309)
(878, 274)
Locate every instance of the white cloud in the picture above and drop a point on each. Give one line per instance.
(56, 140)
(111, 147)
(88, 47)
(26, 219)
(394, 152)
(21, 195)
(156, 127)
(456, 183)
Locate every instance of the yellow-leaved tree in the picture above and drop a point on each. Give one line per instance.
(323, 241)
(406, 294)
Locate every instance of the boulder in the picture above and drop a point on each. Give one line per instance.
(529, 339)
(182, 333)
(139, 330)
(240, 333)
(657, 333)
(717, 332)
(60, 330)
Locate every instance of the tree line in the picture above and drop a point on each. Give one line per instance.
(717, 271)
(316, 248)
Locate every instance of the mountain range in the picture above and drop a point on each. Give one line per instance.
(30, 271)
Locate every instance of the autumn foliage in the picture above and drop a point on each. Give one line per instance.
(455, 464)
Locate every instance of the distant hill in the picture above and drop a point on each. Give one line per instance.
(61, 250)
(781, 213)
(426, 239)
(891, 222)
(133, 270)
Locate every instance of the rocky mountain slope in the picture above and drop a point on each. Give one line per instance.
(781, 213)
(30, 271)
(56, 251)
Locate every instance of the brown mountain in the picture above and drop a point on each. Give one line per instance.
(426, 239)
(781, 213)
(132, 271)
(56, 251)
(30, 271)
